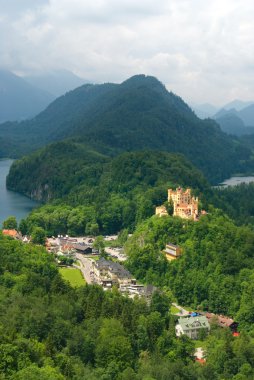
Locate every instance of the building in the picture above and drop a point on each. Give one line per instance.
(82, 248)
(108, 273)
(12, 233)
(172, 251)
(144, 291)
(191, 326)
(184, 205)
(161, 211)
(222, 321)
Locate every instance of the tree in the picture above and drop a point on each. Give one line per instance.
(23, 227)
(170, 207)
(38, 236)
(92, 229)
(113, 346)
(160, 302)
(10, 223)
(99, 244)
(123, 236)
(33, 372)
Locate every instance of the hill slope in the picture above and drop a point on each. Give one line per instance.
(89, 189)
(137, 114)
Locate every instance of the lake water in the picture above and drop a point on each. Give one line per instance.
(12, 203)
(233, 181)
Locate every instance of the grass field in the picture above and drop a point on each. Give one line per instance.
(73, 276)
(174, 310)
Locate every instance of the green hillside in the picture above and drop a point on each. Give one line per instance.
(50, 330)
(135, 115)
(215, 271)
(92, 193)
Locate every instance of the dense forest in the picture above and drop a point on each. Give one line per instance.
(49, 330)
(236, 201)
(93, 194)
(135, 115)
(216, 270)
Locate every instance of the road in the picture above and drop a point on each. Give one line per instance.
(182, 311)
(86, 267)
(114, 252)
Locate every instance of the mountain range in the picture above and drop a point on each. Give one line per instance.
(235, 117)
(56, 82)
(22, 98)
(206, 110)
(135, 115)
(19, 99)
(238, 122)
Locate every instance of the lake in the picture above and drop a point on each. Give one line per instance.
(12, 203)
(233, 181)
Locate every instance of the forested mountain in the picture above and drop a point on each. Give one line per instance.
(232, 124)
(19, 99)
(93, 192)
(137, 114)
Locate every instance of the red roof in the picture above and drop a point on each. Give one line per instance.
(11, 233)
(221, 319)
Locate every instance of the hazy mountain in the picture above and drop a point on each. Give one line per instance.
(19, 99)
(208, 110)
(56, 82)
(204, 110)
(223, 112)
(134, 115)
(236, 122)
(247, 115)
(231, 124)
(237, 104)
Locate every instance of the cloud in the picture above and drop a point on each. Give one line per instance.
(201, 50)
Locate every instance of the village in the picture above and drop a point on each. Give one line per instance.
(104, 267)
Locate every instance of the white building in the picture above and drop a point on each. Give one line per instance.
(191, 326)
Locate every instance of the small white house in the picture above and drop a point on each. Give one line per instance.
(191, 326)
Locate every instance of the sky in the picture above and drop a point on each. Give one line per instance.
(202, 50)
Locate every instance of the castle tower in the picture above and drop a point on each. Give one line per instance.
(185, 206)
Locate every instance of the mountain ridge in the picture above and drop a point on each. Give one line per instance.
(19, 99)
(238, 122)
(135, 115)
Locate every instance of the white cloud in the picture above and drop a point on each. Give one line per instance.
(201, 50)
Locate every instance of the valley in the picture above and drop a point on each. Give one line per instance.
(101, 160)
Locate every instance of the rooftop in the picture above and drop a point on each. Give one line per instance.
(116, 268)
(11, 233)
(198, 322)
(222, 320)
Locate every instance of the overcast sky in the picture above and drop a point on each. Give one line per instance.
(203, 50)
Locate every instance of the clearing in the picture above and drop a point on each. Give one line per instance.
(73, 276)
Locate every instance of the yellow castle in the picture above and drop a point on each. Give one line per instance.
(184, 205)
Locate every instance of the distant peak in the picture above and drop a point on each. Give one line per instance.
(142, 79)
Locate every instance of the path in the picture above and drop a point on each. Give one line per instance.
(182, 312)
(86, 267)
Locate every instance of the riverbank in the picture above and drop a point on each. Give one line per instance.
(236, 180)
(12, 203)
